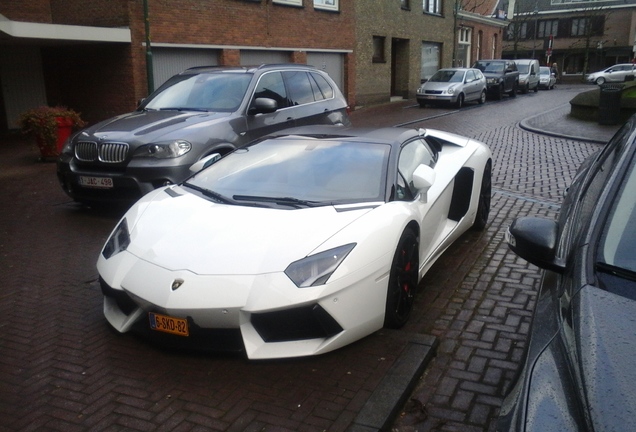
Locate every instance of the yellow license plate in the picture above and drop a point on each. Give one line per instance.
(168, 324)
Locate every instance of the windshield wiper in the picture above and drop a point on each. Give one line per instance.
(183, 109)
(210, 194)
(288, 201)
(616, 271)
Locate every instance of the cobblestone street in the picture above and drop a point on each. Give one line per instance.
(62, 369)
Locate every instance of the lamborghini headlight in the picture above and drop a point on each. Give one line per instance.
(316, 269)
(169, 150)
(118, 241)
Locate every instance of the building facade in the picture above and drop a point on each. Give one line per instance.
(100, 57)
(580, 36)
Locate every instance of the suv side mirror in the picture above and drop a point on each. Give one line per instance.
(263, 106)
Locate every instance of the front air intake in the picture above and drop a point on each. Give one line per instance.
(308, 322)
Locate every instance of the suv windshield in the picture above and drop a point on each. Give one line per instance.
(490, 66)
(202, 92)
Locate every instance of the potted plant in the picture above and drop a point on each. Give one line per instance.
(50, 126)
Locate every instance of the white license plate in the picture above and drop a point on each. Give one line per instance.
(96, 182)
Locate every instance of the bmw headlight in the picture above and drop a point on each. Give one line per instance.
(169, 150)
(316, 269)
(118, 241)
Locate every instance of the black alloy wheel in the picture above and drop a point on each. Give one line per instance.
(485, 193)
(402, 281)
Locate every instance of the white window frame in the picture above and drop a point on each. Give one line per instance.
(289, 2)
(333, 5)
(432, 6)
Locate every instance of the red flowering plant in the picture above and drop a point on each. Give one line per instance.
(46, 123)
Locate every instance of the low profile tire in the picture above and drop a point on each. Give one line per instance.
(600, 81)
(402, 281)
(485, 193)
(482, 98)
(460, 101)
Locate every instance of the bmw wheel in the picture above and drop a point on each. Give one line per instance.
(485, 193)
(402, 281)
(600, 80)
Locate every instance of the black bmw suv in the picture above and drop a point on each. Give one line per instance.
(199, 112)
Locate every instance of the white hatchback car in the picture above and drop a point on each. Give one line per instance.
(616, 73)
(453, 86)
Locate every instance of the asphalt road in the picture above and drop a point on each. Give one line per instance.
(61, 368)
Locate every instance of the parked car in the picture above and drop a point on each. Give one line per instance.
(547, 79)
(616, 73)
(297, 244)
(194, 114)
(502, 77)
(453, 86)
(579, 365)
(528, 75)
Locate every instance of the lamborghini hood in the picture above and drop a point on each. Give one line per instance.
(187, 232)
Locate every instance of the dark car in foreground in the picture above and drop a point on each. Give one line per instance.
(579, 367)
(198, 112)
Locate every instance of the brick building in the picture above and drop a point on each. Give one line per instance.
(91, 55)
(400, 44)
(580, 36)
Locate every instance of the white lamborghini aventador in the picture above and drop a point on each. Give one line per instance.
(297, 244)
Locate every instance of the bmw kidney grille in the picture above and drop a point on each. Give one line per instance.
(90, 151)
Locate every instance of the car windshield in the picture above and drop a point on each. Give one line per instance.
(618, 244)
(445, 76)
(544, 70)
(202, 92)
(490, 66)
(523, 68)
(299, 171)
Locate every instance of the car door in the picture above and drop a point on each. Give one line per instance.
(433, 211)
(271, 85)
(471, 86)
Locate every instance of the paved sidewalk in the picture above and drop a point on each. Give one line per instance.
(559, 123)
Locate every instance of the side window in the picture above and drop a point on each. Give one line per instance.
(299, 86)
(470, 76)
(412, 155)
(323, 85)
(271, 85)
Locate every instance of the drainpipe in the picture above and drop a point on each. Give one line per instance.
(149, 74)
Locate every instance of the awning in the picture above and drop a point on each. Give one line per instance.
(29, 31)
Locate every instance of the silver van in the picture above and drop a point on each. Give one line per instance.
(528, 75)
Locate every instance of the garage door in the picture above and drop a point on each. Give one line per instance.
(332, 63)
(167, 62)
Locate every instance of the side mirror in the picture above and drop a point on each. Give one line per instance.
(205, 162)
(263, 106)
(535, 240)
(423, 179)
